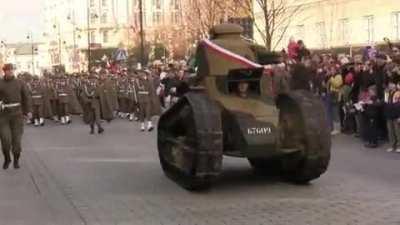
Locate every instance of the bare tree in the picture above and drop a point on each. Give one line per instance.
(271, 18)
(201, 15)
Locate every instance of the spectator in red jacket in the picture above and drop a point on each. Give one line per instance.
(293, 49)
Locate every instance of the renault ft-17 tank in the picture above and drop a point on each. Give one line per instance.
(241, 108)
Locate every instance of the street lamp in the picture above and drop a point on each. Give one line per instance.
(30, 36)
(59, 41)
(74, 29)
(141, 32)
(88, 31)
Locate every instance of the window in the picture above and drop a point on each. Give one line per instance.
(105, 36)
(93, 18)
(175, 17)
(321, 31)
(104, 18)
(300, 32)
(344, 31)
(157, 12)
(157, 4)
(156, 18)
(92, 3)
(104, 3)
(396, 25)
(92, 37)
(369, 28)
(175, 4)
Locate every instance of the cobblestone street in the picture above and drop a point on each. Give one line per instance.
(70, 177)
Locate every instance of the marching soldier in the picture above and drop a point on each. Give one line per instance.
(132, 98)
(47, 95)
(91, 99)
(38, 101)
(14, 104)
(149, 104)
(51, 85)
(123, 100)
(63, 100)
(108, 98)
(114, 94)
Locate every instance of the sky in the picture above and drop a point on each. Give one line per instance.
(18, 18)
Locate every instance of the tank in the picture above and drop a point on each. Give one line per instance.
(240, 108)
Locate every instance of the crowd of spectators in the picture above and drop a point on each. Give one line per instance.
(361, 93)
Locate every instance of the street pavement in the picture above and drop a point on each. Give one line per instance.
(70, 177)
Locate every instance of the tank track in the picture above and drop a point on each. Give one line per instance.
(316, 139)
(192, 158)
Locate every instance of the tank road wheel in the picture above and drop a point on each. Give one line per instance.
(190, 142)
(303, 125)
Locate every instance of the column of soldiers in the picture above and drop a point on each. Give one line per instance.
(53, 97)
(97, 97)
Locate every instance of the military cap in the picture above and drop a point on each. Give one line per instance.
(8, 66)
(226, 28)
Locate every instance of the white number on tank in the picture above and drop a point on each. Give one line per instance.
(259, 130)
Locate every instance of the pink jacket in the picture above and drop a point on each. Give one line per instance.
(293, 50)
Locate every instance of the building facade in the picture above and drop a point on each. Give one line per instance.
(325, 24)
(73, 25)
(163, 22)
(27, 57)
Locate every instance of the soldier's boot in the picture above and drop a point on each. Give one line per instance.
(16, 161)
(63, 121)
(7, 161)
(41, 122)
(91, 129)
(100, 129)
(68, 119)
(36, 123)
(142, 127)
(150, 126)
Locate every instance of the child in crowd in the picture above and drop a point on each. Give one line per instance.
(371, 105)
(348, 124)
(392, 113)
